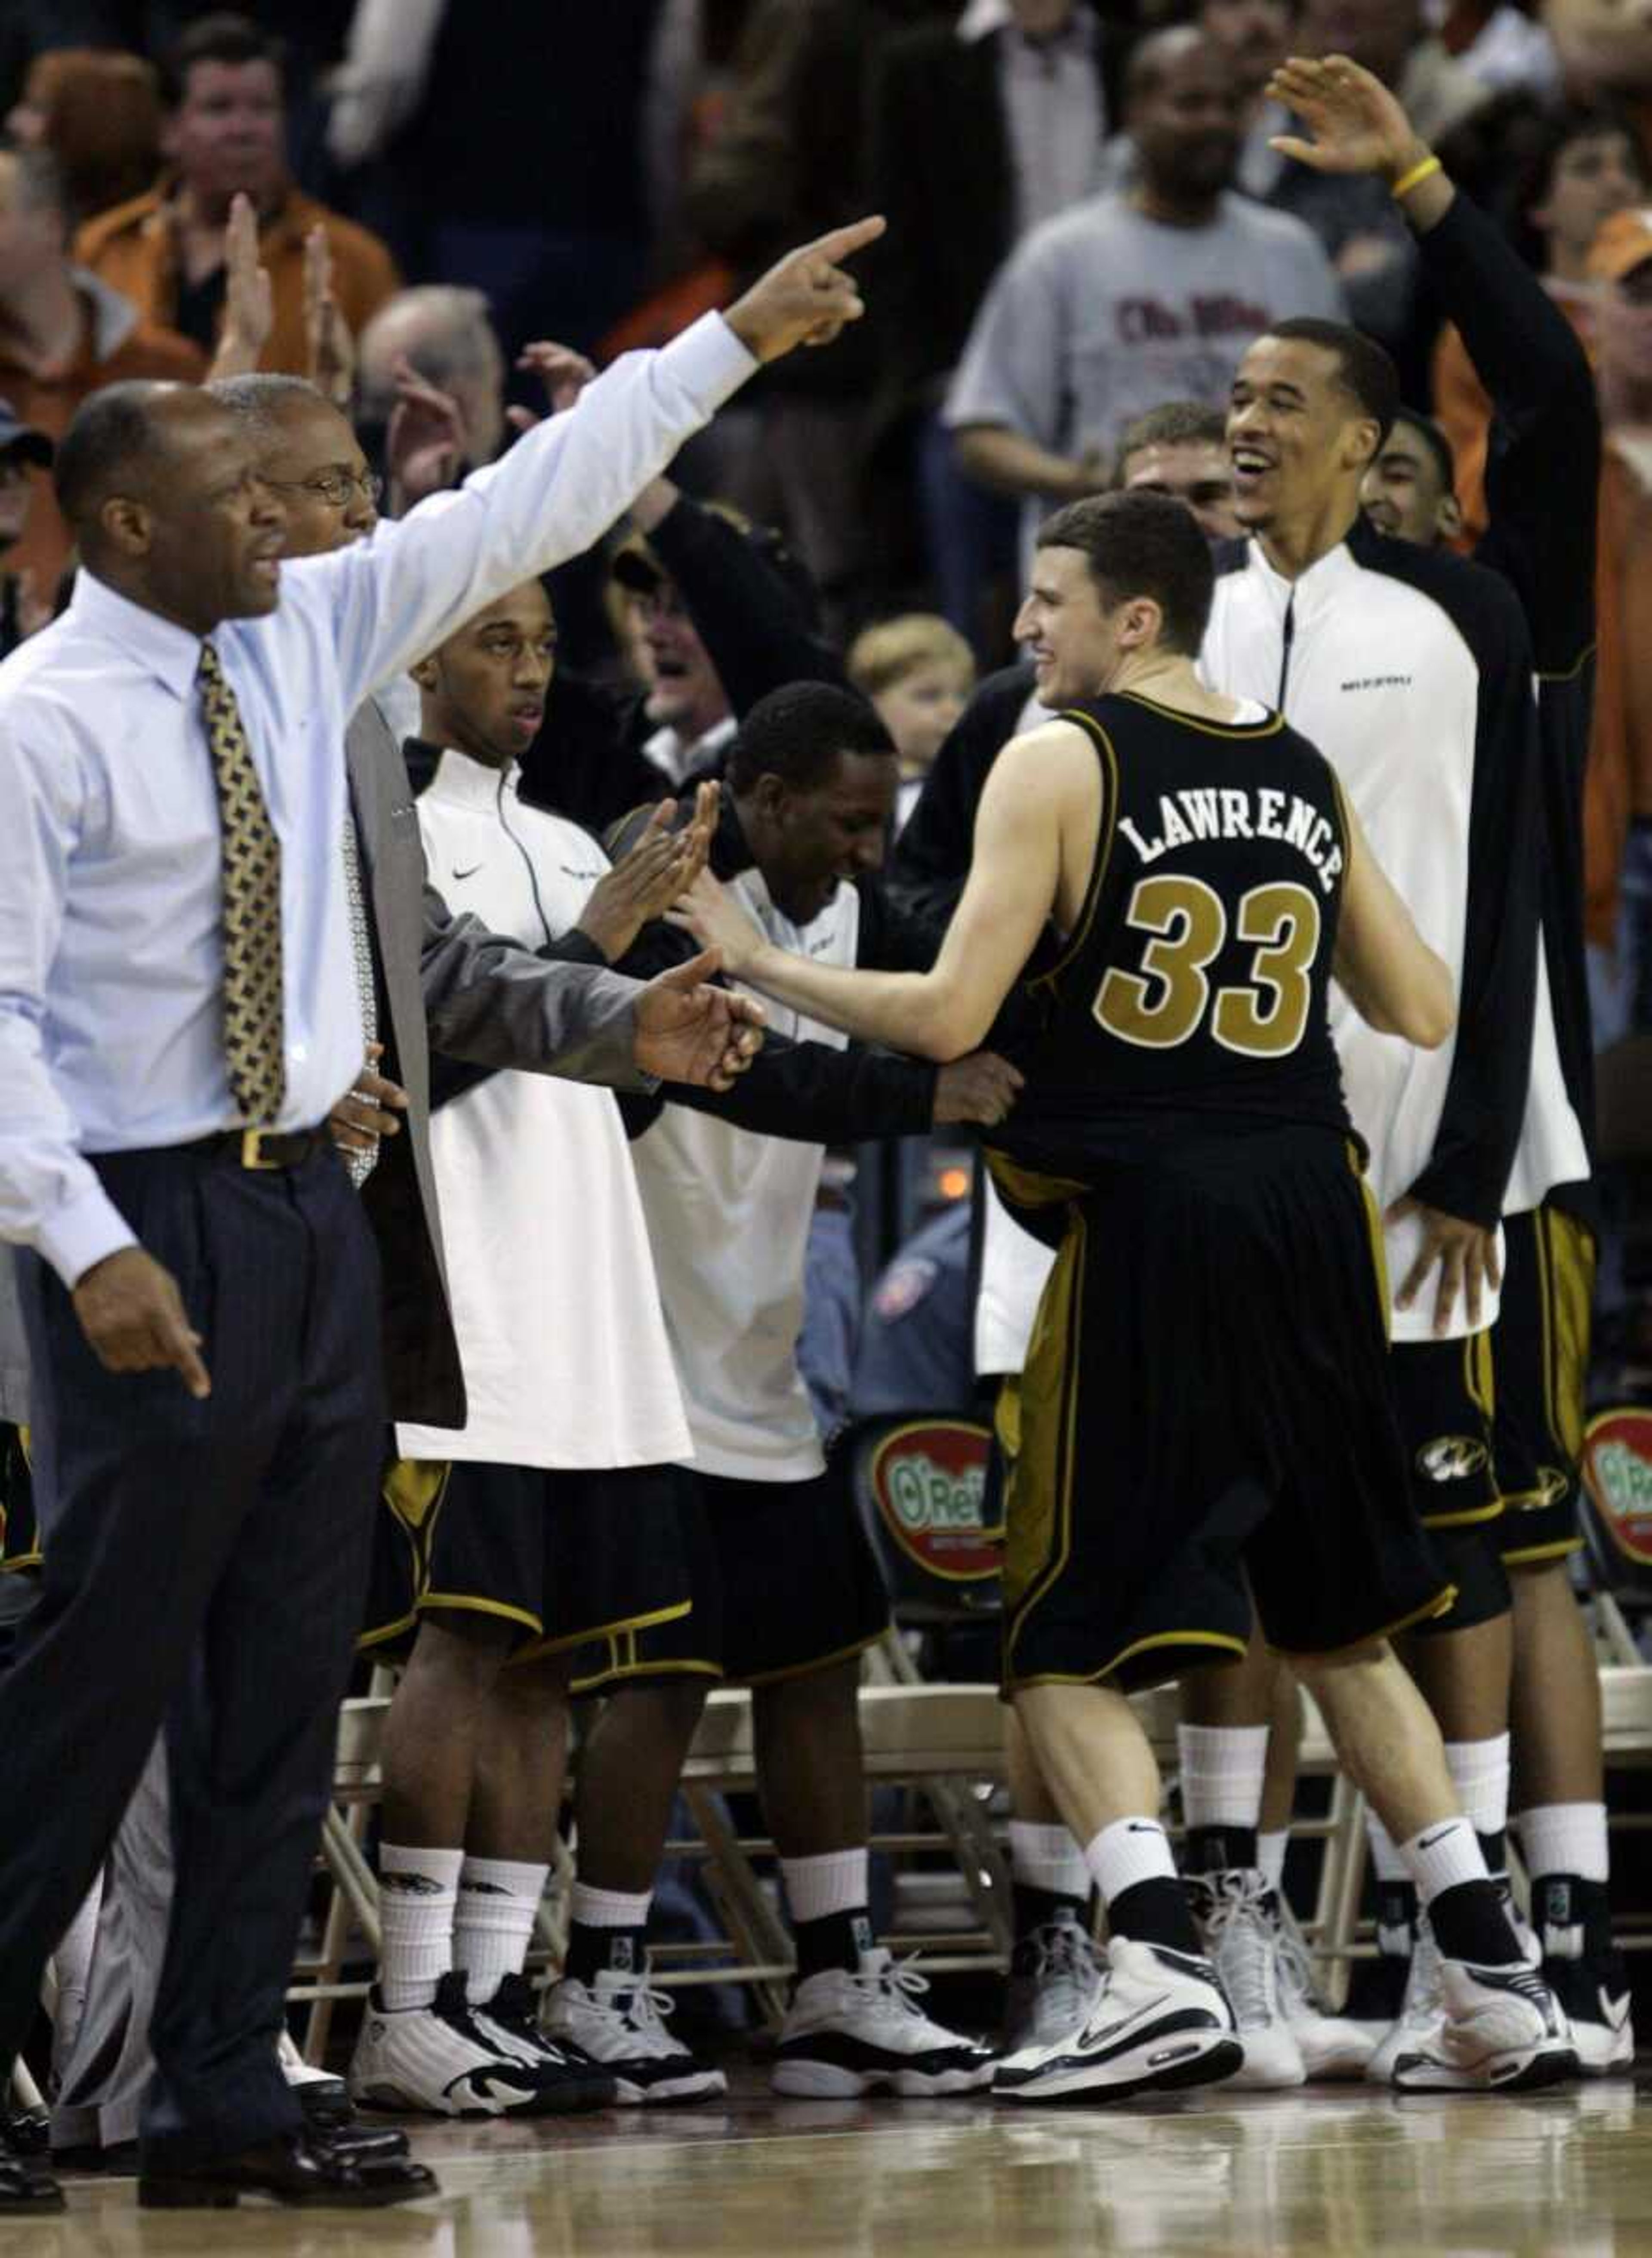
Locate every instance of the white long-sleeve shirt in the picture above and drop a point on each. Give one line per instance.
(110, 851)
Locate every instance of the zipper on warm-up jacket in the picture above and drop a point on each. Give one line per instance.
(1285, 650)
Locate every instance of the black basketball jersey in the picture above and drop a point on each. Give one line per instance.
(1190, 1001)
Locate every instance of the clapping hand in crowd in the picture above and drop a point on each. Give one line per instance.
(329, 342)
(249, 310)
(655, 872)
(426, 441)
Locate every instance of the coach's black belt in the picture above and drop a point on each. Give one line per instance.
(264, 1148)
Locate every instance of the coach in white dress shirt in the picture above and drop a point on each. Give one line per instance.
(202, 1293)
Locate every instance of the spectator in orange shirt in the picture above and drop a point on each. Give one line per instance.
(1586, 164)
(98, 112)
(63, 333)
(225, 134)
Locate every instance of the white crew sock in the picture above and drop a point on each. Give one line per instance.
(1047, 1858)
(493, 1923)
(833, 1882)
(594, 1908)
(1386, 1858)
(1480, 1772)
(1441, 1857)
(1128, 1851)
(418, 1897)
(1270, 1856)
(1222, 1773)
(1565, 1838)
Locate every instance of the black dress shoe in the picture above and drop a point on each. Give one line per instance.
(26, 2185)
(324, 2101)
(298, 2170)
(352, 2138)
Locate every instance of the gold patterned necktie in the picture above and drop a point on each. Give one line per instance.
(254, 1037)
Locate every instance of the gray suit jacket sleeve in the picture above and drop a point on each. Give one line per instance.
(492, 1002)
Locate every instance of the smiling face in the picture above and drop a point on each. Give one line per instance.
(1297, 437)
(484, 690)
(1066, 630)
(1406, 494)
(807, 839)
(684, 692)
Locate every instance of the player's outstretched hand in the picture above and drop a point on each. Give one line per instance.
(689, 1031)
(647, 879)
(981, 1088)
(718, 920)
(133, 1318)
(1355, 124)
(1466, 1256)
(806, 298)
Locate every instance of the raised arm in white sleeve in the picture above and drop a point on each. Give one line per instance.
(394, 598)
(50, 1197)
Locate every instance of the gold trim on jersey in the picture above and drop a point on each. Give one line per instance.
(1570, 673)
(1105, 833)
(1538, 1556)
(1222, 1638)
(1039, 1487)
(1269, 726)
(1442, 1603)
(537, 1649)
(820, 1662)
(1374, 1231)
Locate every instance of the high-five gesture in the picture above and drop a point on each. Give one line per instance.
(807, 298)
(1356, 125)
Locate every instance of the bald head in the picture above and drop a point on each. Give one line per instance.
(122, 443)
(1185, 112)
(1161, 54)
(161, 485)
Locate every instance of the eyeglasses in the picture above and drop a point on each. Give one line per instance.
(333, 486)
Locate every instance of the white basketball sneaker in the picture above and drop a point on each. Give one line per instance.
(1156, 2022)
(1331, 2046)
(1499, 2030)
(441, 2061)
(865, 2033)
(1419, 2010)
(619, 2022)
(1237, 1913)
(1052, 1979)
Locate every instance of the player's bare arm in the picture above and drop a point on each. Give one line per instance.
(1390, 975)
(1038, 813)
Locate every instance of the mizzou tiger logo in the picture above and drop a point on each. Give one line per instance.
(1451, 1458)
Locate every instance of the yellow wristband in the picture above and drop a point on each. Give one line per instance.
(1418, 173)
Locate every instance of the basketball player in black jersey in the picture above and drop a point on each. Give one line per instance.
(1206, 1398)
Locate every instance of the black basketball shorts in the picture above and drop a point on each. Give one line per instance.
(1206, 1399)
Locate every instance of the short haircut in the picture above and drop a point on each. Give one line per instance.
(1143, 544)
(260, 398)
(1172, 423)
(112, 436)
(1364, 369)
(1434, 438)
(1159, 51)
(886, 654)
(1533, 157)
(796, 733)
(224, 37)
(456, 341)
(41, 184)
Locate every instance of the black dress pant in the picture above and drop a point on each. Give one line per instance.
(205, 1567)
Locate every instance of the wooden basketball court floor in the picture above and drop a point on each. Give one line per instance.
(1326, 2171)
